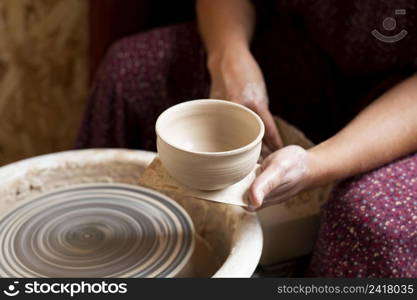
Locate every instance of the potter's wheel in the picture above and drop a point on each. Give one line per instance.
(96, 230)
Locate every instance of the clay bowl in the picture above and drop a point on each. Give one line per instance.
(209, 144)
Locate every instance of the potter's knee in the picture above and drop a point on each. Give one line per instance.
(358, 198)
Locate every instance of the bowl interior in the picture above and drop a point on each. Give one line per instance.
(209, 126)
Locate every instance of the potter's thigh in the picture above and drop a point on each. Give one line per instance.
(369, 224)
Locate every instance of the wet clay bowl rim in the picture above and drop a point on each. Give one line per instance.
(178, 107)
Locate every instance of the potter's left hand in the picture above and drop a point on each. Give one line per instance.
(237, 77)
(284, 174)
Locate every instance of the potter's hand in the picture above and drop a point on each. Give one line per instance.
(284, 173)
(237, 77)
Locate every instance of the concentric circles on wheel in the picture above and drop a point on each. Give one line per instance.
(96, 230)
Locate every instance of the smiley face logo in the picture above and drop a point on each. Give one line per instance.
(390, 24)
(11, 290)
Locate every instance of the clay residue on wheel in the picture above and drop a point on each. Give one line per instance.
(217, 225)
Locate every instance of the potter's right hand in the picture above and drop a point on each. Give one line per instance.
(284, 174)
(236, 76)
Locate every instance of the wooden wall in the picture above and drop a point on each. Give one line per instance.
(43, 75)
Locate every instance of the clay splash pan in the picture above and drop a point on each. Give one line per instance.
(96, 230)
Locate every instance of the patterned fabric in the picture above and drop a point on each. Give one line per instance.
(369, 226)
(140, 77)
(318, 84)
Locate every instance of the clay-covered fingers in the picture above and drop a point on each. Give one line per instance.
(264, 183)
(283, 175)
(272, 137)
